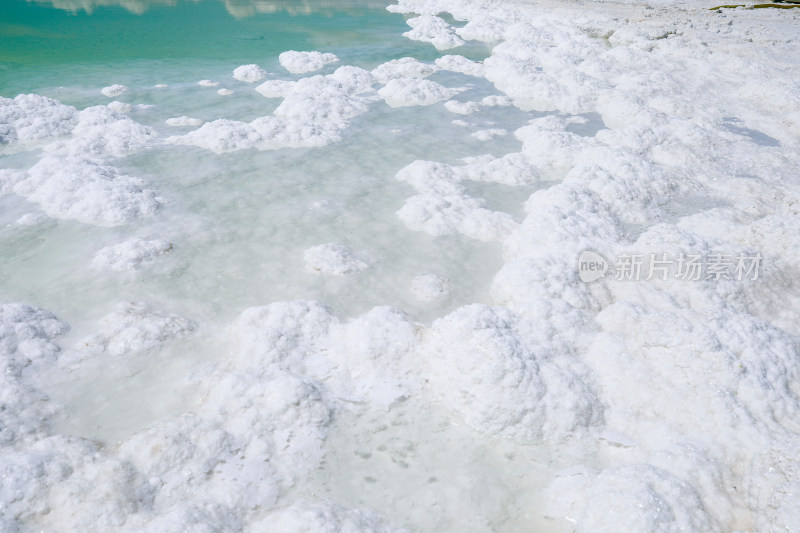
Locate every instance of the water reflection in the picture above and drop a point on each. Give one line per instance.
(237, 8)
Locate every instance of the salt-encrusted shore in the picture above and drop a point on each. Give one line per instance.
(656, 401)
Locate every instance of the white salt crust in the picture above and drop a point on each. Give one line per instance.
(332, 258)
(676, 401)
(406, 67)
(249, 73)
(132, 254)
(430, 287)
(302, 62)
(184, 121)
(313, 113)
(113, 91)
(405, 92)
(434, 30)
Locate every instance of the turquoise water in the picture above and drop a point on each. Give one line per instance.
(240, 222)
(43, 48)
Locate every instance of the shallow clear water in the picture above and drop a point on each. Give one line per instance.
(240, 222)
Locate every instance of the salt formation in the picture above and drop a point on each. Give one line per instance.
(404, 92)
(313, 113)
(224, 92)
(647, 403)
(72, 179)
(184, 121)
(208, 83)
(30, 117)
(302, 62)
(461, 108)
(249, 73)
(442, 206)
(120, 107)
(113, 91)
(461, 64)
(487, 135)
(83, 190)
(132, 254)
(332, 258)
(405, 67)
(434, 30)
(27, 336)
(134, 327)
(430, 287)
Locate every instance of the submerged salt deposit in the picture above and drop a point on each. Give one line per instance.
(319, 304)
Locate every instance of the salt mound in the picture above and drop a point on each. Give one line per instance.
(184, 121)
(80, 189)
(249, 73)
(403, 92)
(314, 112)
(444, 208)
(26, 334)
(365, 359)
(488, 135)
(26, 344)
(633, 498)
(208, 83)
(30, 117)
(373, 357)
(497, 101)
(282, 335)
(302, 62)
(100, 133)
(132, 254)
(461, 108)
(501, 374)
(462, 65)
(224, 92)
(405, 67)
(430, 287)
(114, 90)
(434, 30)
(134, 327)
(276, 88)
(120, 107)
(455, 213)
(333, 258)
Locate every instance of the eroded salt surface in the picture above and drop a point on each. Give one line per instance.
(656, 404)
